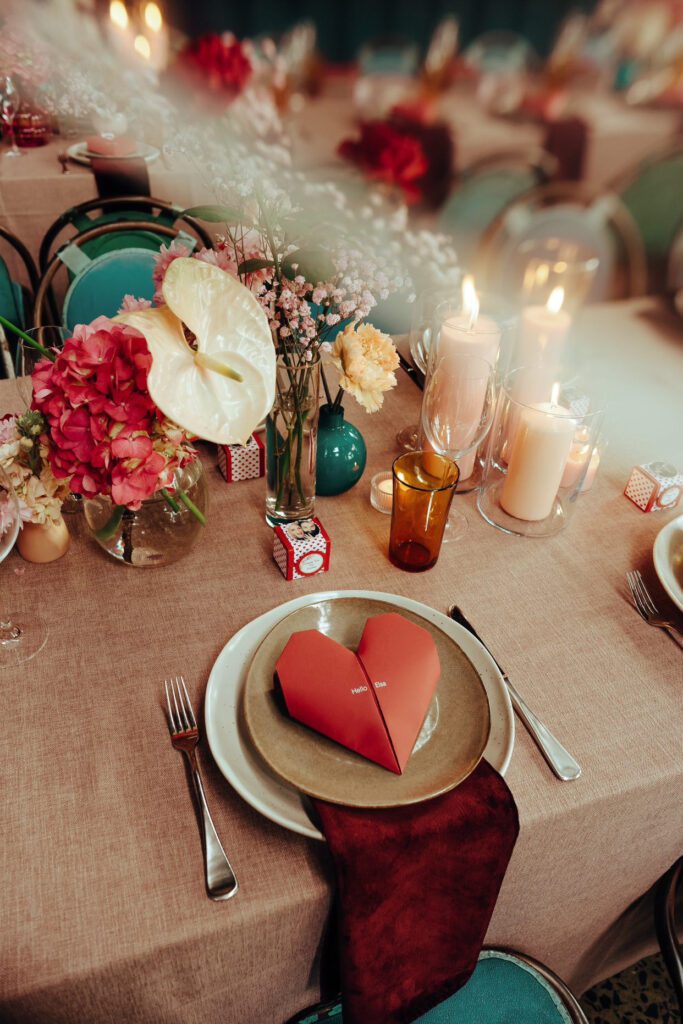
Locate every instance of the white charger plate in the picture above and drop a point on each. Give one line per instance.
(80, 154)
(231, 746)
(667, 555)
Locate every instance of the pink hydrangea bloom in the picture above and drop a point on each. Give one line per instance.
(106, 435)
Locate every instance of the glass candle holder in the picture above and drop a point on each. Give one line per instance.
(538, 458)
(424, 485)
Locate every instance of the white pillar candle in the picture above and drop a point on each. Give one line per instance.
(462, 336)
(541, 446)
(543, 331)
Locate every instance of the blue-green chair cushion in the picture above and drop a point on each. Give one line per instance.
(502, 990)
(655, 201)
(12, 307)
(98, 289)
(477, 202)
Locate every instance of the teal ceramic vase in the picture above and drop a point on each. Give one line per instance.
(341, 453)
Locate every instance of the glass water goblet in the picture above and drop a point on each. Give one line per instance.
(22, 634)
(457, 413)
(9, 108)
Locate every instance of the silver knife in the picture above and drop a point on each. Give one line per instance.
(560, 760)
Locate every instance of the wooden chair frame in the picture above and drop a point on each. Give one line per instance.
(145, 204)
(25, 256)
(570, 192)
(665, 923)
(44, 292)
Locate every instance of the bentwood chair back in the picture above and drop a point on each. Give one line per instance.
(600, 224)
(16, 298)
(506, 986)
(484, 189)
(79, 219)
(98, 285)
(669, 889)
(653, 195)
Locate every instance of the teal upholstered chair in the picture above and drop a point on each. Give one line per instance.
(86, 216)
(483, 191)
(654, 197)
(98, 286)
(16, 298)
(506, 986)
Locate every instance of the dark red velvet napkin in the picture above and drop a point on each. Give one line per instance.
(417, 886)
(126, 176)
(566, 140)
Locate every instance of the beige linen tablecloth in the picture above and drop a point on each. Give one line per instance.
(104, 915)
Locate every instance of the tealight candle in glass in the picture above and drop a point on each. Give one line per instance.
(424, 484)
(538, 460)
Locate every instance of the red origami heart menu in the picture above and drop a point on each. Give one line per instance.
(374, 701)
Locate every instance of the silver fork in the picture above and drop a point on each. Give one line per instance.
(646, 607)
(221, 883)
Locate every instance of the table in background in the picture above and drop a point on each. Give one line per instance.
(104, 913)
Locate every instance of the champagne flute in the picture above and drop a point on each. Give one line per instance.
(22, 634)
(457, 413)
(9, 108)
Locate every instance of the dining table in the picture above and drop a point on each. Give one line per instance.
(104, 912)
(36, 189)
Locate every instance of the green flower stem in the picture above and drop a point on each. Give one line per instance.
(189, 504)
(28, 339)
(170, 501)
(109, 529)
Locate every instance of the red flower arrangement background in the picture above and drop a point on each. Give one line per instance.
(218, 65)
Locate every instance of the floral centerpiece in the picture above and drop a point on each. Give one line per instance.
(24, 457)
(217, 67)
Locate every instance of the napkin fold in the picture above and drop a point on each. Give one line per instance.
(127, 176)
(417, 886)
(566, 139)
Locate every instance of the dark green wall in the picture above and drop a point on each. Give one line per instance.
(345, 24)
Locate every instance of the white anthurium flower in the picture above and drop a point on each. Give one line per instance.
(224, 389)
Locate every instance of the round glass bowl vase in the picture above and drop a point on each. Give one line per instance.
(538, 457)
(159, 532)
(341, 454)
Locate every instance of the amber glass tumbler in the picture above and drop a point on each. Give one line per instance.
(424, 485)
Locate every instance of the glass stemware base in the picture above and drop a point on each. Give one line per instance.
(22, 635)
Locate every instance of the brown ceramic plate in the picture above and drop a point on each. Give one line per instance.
(448, 749)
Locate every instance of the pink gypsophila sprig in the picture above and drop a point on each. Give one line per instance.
(105, 434)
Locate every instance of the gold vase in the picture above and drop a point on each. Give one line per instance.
(43, 542)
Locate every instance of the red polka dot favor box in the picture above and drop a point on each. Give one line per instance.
(654, 486)
(301, 548)
(242, 461)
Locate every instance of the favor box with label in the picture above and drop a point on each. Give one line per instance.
(301, 548)
(654, 486)
(242, 461)
(373, 701)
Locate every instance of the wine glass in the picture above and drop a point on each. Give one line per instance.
(22, 634)
(419, 341)
(457, 413)
(9, 108)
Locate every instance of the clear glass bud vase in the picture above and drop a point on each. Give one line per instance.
(291, 436)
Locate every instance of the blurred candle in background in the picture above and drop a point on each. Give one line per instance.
(120, 30)
(156, 34)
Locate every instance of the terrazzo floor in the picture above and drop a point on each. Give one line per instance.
(641, 994)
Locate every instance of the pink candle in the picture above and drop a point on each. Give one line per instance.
(462, 336)
(543, 331)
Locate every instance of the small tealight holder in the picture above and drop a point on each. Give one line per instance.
(540, 456)
(382, 491)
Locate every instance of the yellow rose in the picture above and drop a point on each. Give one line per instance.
(366, 360)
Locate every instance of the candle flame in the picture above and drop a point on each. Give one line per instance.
(555, 300)
(118, 13)
(470, 299)
(153, 18)
(555, 393)
(142, 47)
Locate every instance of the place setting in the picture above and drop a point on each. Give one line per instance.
(339, 438)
